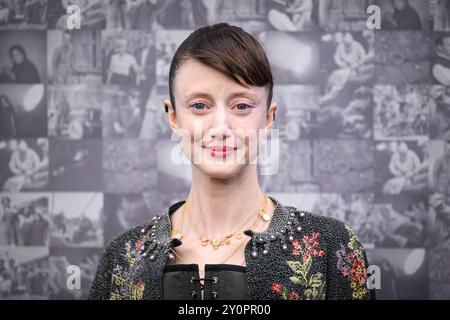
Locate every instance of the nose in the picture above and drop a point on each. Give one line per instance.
(220, 126)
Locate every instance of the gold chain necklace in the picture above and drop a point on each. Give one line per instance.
(222, 262)
(228, 257)
(262, 213)
(176, 233)
(217, 242)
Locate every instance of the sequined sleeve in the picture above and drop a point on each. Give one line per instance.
(101, 287)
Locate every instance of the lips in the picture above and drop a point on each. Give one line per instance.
(221, 148)
(220, 151)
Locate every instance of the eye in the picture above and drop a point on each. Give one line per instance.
(241, 107)
(198, 106)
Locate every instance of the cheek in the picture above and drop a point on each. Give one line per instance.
(252, 140)
(193, 130)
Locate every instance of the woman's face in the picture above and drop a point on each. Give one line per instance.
(122, 46)
(213, 110)
(16, 56)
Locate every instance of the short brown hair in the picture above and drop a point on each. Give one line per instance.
(229, 50)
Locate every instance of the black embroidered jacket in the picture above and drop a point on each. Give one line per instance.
(299, 256)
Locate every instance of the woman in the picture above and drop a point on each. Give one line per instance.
(121, 65)
(229, 240)
(405, 16)
(22, 70)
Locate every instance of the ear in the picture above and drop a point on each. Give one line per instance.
(171, 114)
(270, 117)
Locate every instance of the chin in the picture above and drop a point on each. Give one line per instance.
(220, 170)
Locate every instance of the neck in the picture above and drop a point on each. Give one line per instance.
(218, 206)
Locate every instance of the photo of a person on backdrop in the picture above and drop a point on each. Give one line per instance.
(24, 164)
(21, 69)
(353, 61)
(401, 16)
(25, 220)
(62, 60)
(127, 117)
(122, 65)
(407, 172)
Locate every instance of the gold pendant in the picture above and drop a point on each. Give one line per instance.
(177, 234)
(264, 215)
(216, 243)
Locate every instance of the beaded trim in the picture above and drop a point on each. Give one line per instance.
(262, 241)
(286, 221)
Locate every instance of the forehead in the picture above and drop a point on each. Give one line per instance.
(195, 77)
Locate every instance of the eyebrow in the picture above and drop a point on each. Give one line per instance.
(230, 97)
(198, 95)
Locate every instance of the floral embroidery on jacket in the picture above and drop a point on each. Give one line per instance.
(351, 264)
(314, 285)
(124, 286)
